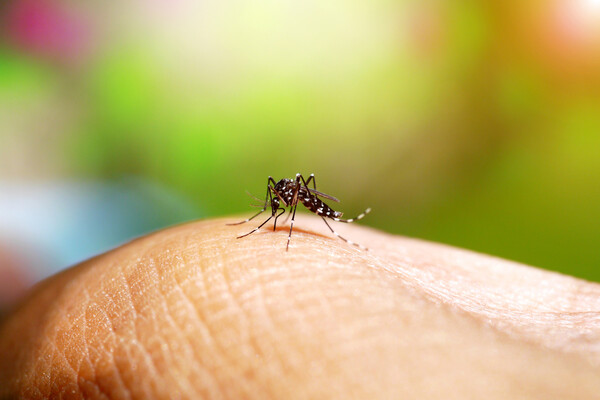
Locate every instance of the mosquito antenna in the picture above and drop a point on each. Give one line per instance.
(256, 205)
(253, 196)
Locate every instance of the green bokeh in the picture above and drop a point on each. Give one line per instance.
(433, 114)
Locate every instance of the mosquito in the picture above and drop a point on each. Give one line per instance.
(290, 192)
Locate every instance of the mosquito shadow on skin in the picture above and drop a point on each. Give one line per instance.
(286, 229)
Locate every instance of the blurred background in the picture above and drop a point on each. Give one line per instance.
(467, 122)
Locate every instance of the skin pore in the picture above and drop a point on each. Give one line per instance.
(192, 312)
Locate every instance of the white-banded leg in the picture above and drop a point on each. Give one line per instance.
(291, 227)
(361, 216)
(310, 178)
(314, 191)
(343, 238)
(278, 215)
(256, 229)
(251, 218)
(307, 181)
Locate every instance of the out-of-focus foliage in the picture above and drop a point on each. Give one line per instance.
(473, 123)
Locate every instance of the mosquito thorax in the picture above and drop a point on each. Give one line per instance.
(285, 189)
(284, 184)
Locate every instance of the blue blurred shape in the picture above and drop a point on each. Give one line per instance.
(52, 225)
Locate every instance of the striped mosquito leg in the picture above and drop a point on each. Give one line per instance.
(249, 219)
(275, 222)
(368, 210)
(307, 182)
(343, 238)
(258, 228)
(291, 228)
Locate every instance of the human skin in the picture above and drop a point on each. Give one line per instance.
(193, 312)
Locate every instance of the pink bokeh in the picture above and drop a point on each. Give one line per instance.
(47, 28)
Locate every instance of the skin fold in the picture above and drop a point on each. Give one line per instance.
(192, 312)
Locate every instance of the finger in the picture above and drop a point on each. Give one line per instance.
(193, 311)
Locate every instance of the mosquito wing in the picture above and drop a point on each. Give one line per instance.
(321, 194)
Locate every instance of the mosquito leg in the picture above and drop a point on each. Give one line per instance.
(278, 215)
(341, 237)
(291, 228)
(368, 210)
(264, 207)
(249, 219)
(310, 178)
(271, 180)
(306, 182)
(256, 229)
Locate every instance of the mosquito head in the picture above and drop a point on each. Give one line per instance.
(274, 205)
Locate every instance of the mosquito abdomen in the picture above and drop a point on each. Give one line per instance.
(317, 206)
